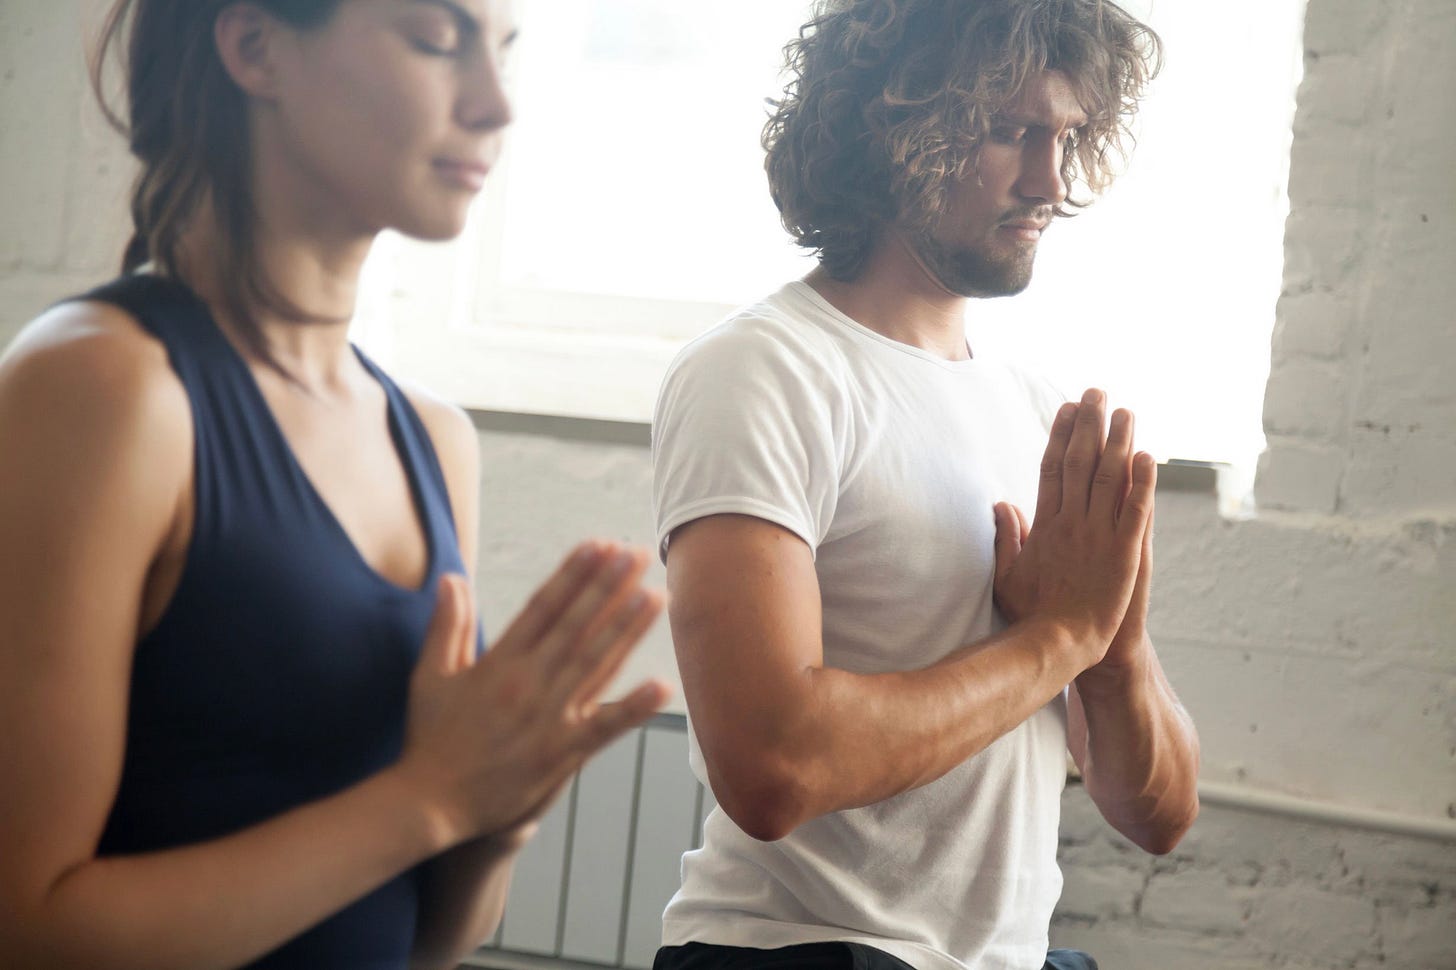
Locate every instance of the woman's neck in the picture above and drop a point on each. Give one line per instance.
(317, 276)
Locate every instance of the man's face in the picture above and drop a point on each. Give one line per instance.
(985, 241)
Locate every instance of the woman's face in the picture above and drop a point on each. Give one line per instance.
(391, 114)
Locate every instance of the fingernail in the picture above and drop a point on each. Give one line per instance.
(621, 562)
(1091, 396)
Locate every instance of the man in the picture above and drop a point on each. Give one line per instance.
(876, 647)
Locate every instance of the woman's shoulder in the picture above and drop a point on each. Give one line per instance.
(88, 366)
(94, 335)
(451, 431)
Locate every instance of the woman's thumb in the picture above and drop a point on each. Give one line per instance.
(450, 623)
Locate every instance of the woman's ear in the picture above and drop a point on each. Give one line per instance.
(246, 36)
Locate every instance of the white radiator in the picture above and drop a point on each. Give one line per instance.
(591, 886)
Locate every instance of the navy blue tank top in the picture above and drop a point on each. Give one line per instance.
(279, 672)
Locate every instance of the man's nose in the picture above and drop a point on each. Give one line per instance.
(1041, 177)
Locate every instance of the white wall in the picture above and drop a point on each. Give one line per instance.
(1315, 644)
(63, 172)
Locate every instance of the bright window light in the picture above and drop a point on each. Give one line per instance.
(631, 211)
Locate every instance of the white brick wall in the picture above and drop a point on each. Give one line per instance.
(63, 172)
(1360, 419)
(1315, 644)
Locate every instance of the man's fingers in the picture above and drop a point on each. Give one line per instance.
(1114, 468)
(1082, 450)
(1143, 590)
(1137, 509)
(553, 596)
(1008, 536)
(1023, 523)
(1049, 492)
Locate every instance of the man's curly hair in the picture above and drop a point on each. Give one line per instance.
(888, 101)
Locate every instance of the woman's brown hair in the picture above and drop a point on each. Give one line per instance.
(187, 124)
(889, 100)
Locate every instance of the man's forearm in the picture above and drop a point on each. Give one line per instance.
(855, 739)
(1141, 757)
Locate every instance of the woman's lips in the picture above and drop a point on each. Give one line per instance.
(465, 174)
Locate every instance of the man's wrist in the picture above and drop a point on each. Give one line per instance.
(1117, 677)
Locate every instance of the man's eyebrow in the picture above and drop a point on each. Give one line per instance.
(1029, 121)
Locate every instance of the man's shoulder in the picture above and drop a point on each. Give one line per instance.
(770, 339)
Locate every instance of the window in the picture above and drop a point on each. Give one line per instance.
(630, 212)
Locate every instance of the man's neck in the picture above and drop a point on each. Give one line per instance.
(897, 297)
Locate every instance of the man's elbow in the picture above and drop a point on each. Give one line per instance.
(766, 801)
(1163, 836)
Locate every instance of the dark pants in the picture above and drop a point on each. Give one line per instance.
(816, 956)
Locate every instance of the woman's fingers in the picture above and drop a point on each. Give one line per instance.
(465, 631)
(601, 658)
(581, 629)
(555, 595)
(449, 625)
(594, 604)
(611, 721)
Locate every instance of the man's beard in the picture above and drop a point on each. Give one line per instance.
(970, 272)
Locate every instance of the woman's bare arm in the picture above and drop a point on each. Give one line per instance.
(95, 453)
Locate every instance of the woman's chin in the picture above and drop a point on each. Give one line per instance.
(437, 226)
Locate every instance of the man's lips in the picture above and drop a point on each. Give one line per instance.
(1029, 230)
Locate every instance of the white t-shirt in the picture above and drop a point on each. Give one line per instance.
(887, 461)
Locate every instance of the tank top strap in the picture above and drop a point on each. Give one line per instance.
(417, 450)
(242, 465)
(172, 313)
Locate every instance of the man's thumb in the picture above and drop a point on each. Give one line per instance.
(1008, 537)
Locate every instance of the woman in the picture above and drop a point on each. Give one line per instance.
(242, 718)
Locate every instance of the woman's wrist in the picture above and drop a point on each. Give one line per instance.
(427, 819)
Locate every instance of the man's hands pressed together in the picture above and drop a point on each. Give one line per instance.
(1131, 738)
(787, 738)
(1081, 564)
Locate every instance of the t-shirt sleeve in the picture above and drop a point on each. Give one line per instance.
(744, 424)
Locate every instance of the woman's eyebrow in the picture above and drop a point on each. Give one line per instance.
(466, 21)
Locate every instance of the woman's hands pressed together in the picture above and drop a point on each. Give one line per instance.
(490, 741)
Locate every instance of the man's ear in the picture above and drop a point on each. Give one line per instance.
(246, 36)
